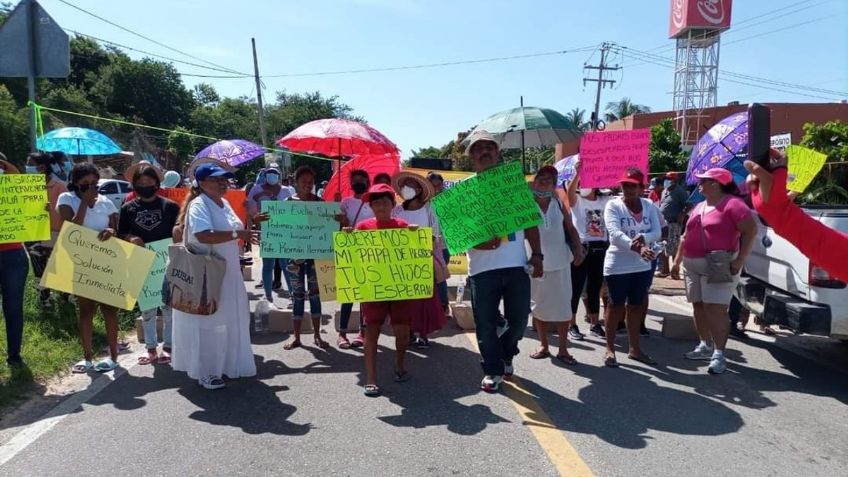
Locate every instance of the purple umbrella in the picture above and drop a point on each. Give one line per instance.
(234, 152)
(565, 167)
(724, 142)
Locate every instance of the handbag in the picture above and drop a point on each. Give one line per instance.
(718, 261)
(193, 280)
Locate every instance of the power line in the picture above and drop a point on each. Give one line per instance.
(163, 45)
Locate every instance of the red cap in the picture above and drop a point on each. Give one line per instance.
(379, 189)
(672, 175)
(633, 176)
(722, 176)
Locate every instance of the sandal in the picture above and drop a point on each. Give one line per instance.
(165, 358)
(82, 367)
(148, 358)
(105, 366)
(372, 390)
(401, 376)
(343, 343)
(567, 359)
(123, 346)
(610, 362)
(292, 345)
(358, 342)
(643, 358)
(541, 354)
(321, 343)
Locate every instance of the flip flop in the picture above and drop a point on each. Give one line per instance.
(343, 343)
(292, 345)
(610, 362)
(105, 366)
(372, 390)
(567, 359)
(146, 359)
(541, 354)
(643, 358)
(165, 359)
(357, 342)
(82, 367)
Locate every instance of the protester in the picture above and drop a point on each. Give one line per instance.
(353, 211)
(84, 206)
(13, 282)
(721, 224)
(587, 213)
(146, 219)
(437, 181)
(551, 294)
(496, 269)
(39, 252)
(128, 175)
(302, 273)
(381, 198)
(270, 189)
(655, 190)
(673, 209)
(429, 315)
(383, 178)
(824, 246)
(207, 347)
(634, 225)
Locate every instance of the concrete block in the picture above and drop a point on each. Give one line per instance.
(682, 328)
(352, 325)
(463, 315)
(247, 272)
(281, 321)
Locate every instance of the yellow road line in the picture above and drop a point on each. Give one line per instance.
(561, 453)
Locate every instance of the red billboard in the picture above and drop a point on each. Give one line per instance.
(698, 14)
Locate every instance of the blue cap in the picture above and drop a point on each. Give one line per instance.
(205, 171)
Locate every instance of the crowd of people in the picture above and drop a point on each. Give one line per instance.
(602, 246)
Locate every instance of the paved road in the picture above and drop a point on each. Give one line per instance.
(776, 412)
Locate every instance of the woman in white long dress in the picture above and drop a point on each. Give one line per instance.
(210, 347)
(551, 294)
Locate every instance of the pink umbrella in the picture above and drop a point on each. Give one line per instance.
(372, 163)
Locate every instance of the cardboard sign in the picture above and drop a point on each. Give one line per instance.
(458, 264)
(384, 265)
(606, 155)
(23, 208)
(804, 166)
(326, 272)
(151, 292)
(492, 204)
(298, 229)
(110, 272)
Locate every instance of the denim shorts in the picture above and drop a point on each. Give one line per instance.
(629, 288)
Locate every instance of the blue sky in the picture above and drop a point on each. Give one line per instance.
(795, 41)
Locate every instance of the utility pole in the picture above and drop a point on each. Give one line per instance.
(259, 95)
(601, 67)
(32, 58)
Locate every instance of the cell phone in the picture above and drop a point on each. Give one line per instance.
(759, 135)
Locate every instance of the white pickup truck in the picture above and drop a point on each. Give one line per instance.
(782, 287)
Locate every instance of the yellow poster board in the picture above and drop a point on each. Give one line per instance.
(458, 264)
(23, 208)
(325, 269)
(110, 272)
(804, 165)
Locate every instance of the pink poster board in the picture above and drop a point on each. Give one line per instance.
(606, 155)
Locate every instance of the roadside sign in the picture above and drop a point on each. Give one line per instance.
(51, 46)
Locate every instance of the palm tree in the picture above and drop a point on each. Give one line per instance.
(621, 109)
(577, 117)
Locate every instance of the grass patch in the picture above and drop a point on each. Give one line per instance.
(51, 342)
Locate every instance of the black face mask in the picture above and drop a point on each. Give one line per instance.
(146, 192)
(359, 187)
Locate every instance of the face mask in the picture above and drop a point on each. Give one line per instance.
(146, 192)
(667, 183)
(272, 179)
(2, 171)
(67, 166)
(31, 169)
(543, 194)
(359, 188)
(585, 192)
(408, 193)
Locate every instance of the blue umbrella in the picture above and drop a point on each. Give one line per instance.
(78, 142)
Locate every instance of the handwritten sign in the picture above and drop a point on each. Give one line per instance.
(494, 203)
(110, 272)
(804, 166)
(384, 265)
(151, 292)
(606, 155)
(326, 274)
(298, 229)
(23, 203)
(458, 264)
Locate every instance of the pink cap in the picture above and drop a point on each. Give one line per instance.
(722, 176)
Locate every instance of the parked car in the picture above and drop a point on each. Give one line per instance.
(782, 287)
(115, 190)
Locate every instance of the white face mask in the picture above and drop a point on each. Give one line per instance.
(585, 192)
(408, 193)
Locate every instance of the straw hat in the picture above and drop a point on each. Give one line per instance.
(8, 167)
(208, 160)
(426, 187)
(130, 172)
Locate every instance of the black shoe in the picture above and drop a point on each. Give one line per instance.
(575, 334)
(644, 331)
(276, 286)
(737, 333)
(16, 362)
(598, 330)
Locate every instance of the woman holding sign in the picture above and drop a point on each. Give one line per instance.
(13, 273)
(208, 347)
(302, 272)
(84, 206)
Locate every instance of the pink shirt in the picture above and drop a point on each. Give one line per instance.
(719, 226)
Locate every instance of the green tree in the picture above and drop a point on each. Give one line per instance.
(831, 185)
(665, 153)
(181, 145)
(205, 95)
(14, 129)
(428, 152)
(622, 108)
(578, 117)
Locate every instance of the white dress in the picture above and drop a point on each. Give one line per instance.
(218, 344)
(551, 294)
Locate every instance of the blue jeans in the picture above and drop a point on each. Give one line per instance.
(303, 276)
(512, 285)
(268, 265)
(14, 268)
(344, 317)
(148, 323)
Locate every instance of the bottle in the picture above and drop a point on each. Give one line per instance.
(460, 291)
(659, 247)
(529, 269)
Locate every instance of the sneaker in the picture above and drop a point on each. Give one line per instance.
(276, 286)
(718, 365)
(211, 382)
(700, 353)
(575, 334)
(491, 384)
(259, 285)
(509, 371)
(598, 330)
(422, 343)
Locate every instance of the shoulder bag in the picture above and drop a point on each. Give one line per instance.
(718, 261)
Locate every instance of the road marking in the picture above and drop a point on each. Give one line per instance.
(561, 453)
(32, 432)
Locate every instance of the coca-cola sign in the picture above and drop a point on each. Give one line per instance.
(699, 14)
